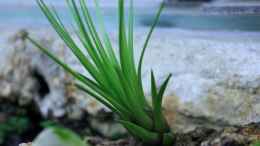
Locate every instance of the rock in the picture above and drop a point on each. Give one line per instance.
(246, 135)
(96, 141)
(231, 102)
(214, 85)
(215, 77)
(231, 136)
(31, 77)
(108, 129)
(17, 121)
(26, 144)
(58, 137)
(25, 76)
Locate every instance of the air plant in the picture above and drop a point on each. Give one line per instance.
(114, 80)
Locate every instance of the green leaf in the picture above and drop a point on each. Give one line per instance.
(159, 122)
(63, 33)
(84, 35)
(146, 44)
(106, 38)
(57, 136)
(153, 87)
(168, 139)
(162, 89)
(131, 28)
(256, 144)
(124, 50)
(139, 114)
(140, 133)
(109, 102)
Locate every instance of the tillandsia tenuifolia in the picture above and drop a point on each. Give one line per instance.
(115, 80)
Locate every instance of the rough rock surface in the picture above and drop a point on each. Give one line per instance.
(247, 135)
(216, 80)
(230, 136)
(27, 76)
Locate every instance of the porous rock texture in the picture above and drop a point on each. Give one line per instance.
(247, 135)
(216, 80)
(27, 76)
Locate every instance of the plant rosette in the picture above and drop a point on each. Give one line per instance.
(114, 79)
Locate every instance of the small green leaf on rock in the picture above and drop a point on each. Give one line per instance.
(58, 137)
(256, 144)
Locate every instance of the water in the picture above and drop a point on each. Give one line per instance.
(31, 17)
(25, 13)
(209, 22)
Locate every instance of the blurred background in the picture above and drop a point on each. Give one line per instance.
(210, 46)
(192, 14)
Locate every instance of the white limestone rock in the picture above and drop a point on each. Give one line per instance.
(216, 77)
